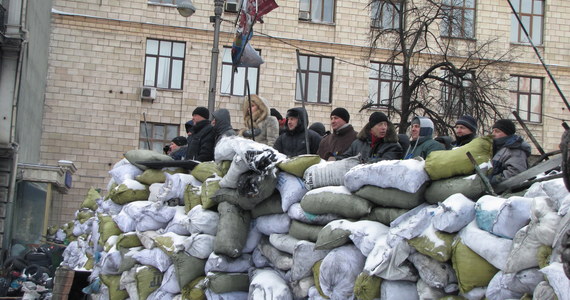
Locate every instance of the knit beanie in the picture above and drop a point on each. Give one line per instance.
(202, 111)
(505, 125)
(377, 117)
(341, 113)
(180, 141)
(467, 121)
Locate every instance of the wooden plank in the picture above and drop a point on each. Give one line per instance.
(542, 167)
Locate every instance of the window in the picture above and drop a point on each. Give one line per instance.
(385, 14)
(526, 93)
(316, 78)
(458, 18)
(233, 83)
(531, 13)
(457, 95)
(164, 64)
(162, 1)
(158, 135)
(320, 11)
(385, 84)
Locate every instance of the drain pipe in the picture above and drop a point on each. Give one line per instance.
(7, 237)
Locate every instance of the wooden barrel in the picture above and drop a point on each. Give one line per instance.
(62, 283)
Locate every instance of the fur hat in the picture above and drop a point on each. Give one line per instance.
(202, 111)
(377, 117)
(341, 113)
(180, 141)
(467, 121)
(505, 125)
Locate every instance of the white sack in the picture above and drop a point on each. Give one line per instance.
(154, 190)
(109, 207)
(203, 221)
(339, 270)
(398, 290)
(557, 279)
(199, 245)
(433, 273)
(503, 217)
(364, 234)
(179, 223)
(389, 262)
(513, 285)
(276, 223)
(411, 224)
(304, 257)
(493, 249)
(253, 238)
(153, 257)
(226, 264)
(291, 188)
(124, 171)
(296, 212)
(175, 185)
(147, 238)
(170, 282)
(328, 173)
(266, 284)
(454, 213)
(406, 175)
(283, 242)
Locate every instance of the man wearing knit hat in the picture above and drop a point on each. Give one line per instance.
(178, 148)
(377, 141)
(202, 140)
(465, 130)
(342, 136)
(422, 142)
(510, 152)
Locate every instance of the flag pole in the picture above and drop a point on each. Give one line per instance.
(250, 110)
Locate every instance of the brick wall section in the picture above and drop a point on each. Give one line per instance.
(93, 109)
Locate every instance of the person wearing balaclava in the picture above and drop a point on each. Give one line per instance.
(292, 142)
(465, 130)
(377, 141)
(510, 152)
(222, 124)
(422, 142)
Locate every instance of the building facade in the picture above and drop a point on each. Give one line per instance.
(127, 74)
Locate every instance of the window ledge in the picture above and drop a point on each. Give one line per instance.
(459, 38)
(315, 22)
(314, 103)
(162, 4)
(526, 44)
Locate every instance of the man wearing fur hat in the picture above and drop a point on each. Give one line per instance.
(510, 152)
(341, 137)
(422, 142)
(202, 140)
(377, 141)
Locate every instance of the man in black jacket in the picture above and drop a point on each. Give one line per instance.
(202, 140)
(292, 142)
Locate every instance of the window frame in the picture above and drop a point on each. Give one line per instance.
(392, 81)
(171, 60)
(228, 65)
(152, 126)
(310, 9)
(162, 2)
(516, 94)
(306, 75)
(516, 29)
(384, 7)
(449, 21)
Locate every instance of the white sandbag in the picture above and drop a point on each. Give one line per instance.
(300, 288)
(411, 224)
(109, 207)
(266, 284)
(277, 223)
(283, 242)
(74, 254)
(154, 190)
(540, 231)
(259, 260)
(175, 185)
(328, 173)
(434, 273)
(237, 168)
(291, 188)
(160, 294)
(556, 190)
(170, 242)
(426, 292)
(222, 263)
(364, 234)
(253, 238)
(561, 230)
(155, 217)
(535, 190)
(203, 220)
(513, 285)
(389, 262)
(170, 282)
(493, 249)
(398, 290)
(110, 263)
(454, 213)
(304, 257)
(153, 257)
(179, 223)
(296, 212)
(503, 217)
(477, 293)
(279, 260)
(226, 296)
(406, 175)
(486, 210)
(557, 279)
(314, 294)
(544, 291)
(339, 270)
(147, 238)
(199, 245)
(124, 171)
(564, 206)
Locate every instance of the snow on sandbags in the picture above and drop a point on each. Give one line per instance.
(335, 200)
(454, 213)
(364, 234)
(266, 284)
(503, 217)
(412, 223)
(338, 272)
(296, 212)
(124, 170)
(493, 249)
(128, 191)
(433, 243)
(329, 173)
(175, 185)
(406, 175)
(513, 285)
(291, 189)
(390, 262)
(471, 187)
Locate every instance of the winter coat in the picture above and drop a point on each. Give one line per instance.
(425, 143)
(180, 153)
(337, 142)
(463, 140)
(265, 126)
(510, 157)
(292, 142)
(223, 125)
(201, 142)
(387, 148)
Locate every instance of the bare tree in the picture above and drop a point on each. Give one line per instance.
(443, 72)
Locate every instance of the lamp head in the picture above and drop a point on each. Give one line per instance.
(185, 8)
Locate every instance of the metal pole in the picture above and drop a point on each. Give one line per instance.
(529, 134)
(303, 102)
(250, 111)
(146, 131)
(216, 19)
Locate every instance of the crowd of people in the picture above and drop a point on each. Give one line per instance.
(376, 141)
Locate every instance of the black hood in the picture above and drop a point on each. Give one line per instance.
(223, 121)
(301, 114)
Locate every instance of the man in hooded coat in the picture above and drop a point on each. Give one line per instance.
(222, 124)
(292, 142)
(510, 152)
(422, 142)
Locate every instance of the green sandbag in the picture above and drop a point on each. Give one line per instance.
(228, 282)
(266, 189)
(123, 195)
(233, 229)
(298, 164)
(316, 274)
(269, 206)
(107, 228)
(134, 156)
(128, 240)
(388, 197)
(332, 237)
(148, 280)
(90, 200)
(426, 243)
(151, 176)
(385, 215)
(471, 187)
(328, 201)
(208, 191)
(302, 231)
(84, 215)
(187, 267)
(471, 269)
(191, 197)
(205, 170)
(195, 290)
(113, 283)
(367, 287)
(543, 255)
(450, 163)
